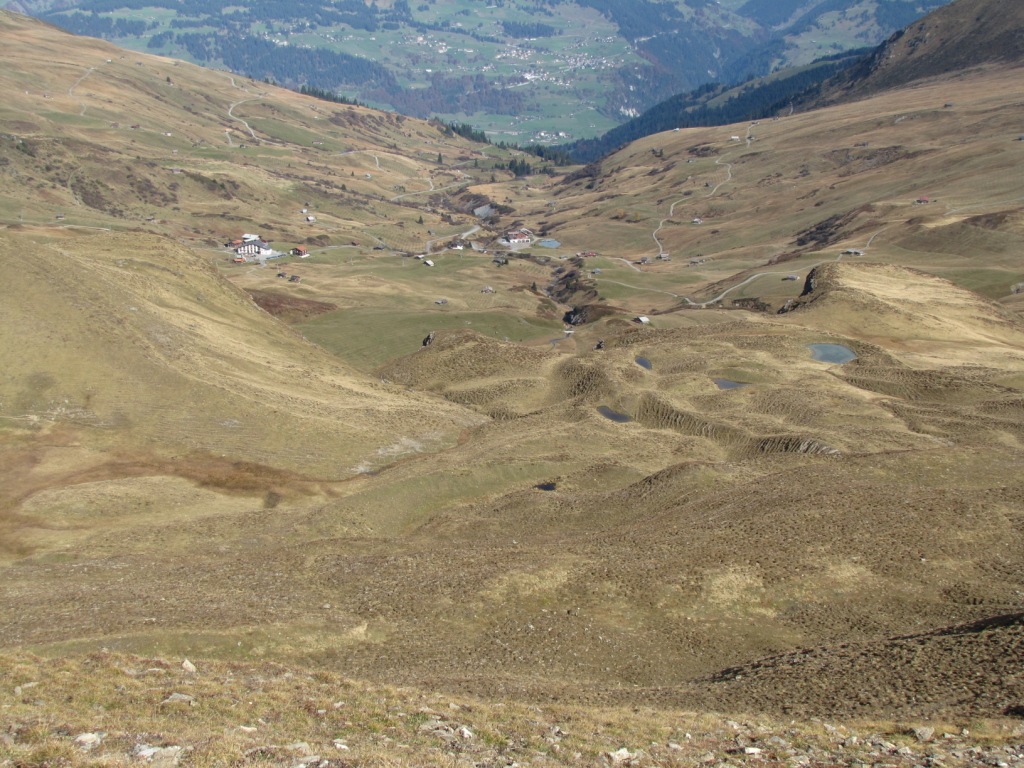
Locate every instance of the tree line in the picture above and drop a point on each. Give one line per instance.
(752, 101)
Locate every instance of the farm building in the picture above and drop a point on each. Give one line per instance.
(254, 248)
(517, 238)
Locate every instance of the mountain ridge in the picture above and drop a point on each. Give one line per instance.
(955, 37)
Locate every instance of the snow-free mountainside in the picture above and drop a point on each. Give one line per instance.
(543, 71)
(329, 436)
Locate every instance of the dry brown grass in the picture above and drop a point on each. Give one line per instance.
(796, 173)
(183, 474)
(274, 715)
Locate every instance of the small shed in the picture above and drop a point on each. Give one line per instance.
(642, 319)
(428, 263)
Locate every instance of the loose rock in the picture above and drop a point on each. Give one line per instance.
(89, 740)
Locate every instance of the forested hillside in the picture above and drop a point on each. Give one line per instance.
(716, 105)
(543, 71)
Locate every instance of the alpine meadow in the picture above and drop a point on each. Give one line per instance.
(334, 436)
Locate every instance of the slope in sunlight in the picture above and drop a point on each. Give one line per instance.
(624, 513)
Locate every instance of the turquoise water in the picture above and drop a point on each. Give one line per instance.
(832, 353)
(548, 243)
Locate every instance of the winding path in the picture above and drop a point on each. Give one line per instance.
(376, 159)
(430, 180)
(231, 114)
(672, 208)
(651, 290)
(88, 72)
(753, 277)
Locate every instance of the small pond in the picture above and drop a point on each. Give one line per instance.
(548, 243)
(545, 486)
(729, 383)
(608, 413)
(832, 353)
(643, 362)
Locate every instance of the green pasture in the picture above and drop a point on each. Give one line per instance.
(388, 301)
(281, 131)
(366, 338)
(990, 283)
(388, 509)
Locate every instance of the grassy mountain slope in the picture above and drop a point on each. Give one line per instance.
(964, 34)
(126, 352)
(789, 193)
(144, 344)
(715, 106)
(108, 138)
(510, 513)
(950, 39)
